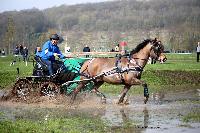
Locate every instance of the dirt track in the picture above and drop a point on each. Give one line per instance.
(163, 113)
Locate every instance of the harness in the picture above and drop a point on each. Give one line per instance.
(120, 70)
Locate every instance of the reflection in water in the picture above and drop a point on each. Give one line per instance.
(126, 119)
(146, 117)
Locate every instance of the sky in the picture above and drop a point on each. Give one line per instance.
(11, 5)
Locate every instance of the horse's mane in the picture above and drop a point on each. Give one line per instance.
(140, 46)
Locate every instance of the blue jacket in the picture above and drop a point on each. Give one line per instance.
(48, 50)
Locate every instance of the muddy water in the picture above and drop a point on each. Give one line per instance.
(163, 112)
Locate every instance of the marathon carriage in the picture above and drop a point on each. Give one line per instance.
(74, 75)
(42, 84)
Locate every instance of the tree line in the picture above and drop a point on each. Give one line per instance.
(176, 22)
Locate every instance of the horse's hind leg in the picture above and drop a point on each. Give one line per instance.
(98, 93)
(75, 92)
(123, 94)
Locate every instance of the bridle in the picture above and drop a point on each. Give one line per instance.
(157, 48)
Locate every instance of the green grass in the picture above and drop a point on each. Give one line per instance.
(179, 69)
(59, 125)
(192, 117)
(8, 74)
(181, 62)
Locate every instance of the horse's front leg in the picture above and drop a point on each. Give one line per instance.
(146, 93)
(123, 93)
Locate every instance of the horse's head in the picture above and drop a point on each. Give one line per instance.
(156, 49)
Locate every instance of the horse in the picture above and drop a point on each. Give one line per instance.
(125, 70)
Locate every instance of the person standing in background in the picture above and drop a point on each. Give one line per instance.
(86, 49)
(3, 52)
(25, 55)
(123, 44)
(21, 50)
(198, 51)
(16, 56)
(117, 48)
(38, 50)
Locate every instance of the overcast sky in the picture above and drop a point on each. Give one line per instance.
(10, 5)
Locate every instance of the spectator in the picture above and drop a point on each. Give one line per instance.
(38, 50)
(3, 52)
(123, 44)
(117, 48)
(198, 51)
(25, 54)
(112, 50)
(16, 50)
(21, 49)
(16, 55)
(86, 49)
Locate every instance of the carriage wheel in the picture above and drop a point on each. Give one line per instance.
(49, 89)
(22, 88)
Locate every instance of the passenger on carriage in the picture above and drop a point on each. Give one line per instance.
(38, 51)
(49, 51)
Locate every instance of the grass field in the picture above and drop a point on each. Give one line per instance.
(179, 69)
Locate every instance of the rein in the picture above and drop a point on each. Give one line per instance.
(141, 59)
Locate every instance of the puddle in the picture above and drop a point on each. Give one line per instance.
(163, 112)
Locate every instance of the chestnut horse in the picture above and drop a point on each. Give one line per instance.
(125, 70)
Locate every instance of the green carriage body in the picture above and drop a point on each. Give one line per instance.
(73, 65)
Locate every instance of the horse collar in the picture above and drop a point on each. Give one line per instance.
(133, 61)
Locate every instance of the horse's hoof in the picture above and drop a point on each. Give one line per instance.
(145, 99)
(120, 103)
(115, 101)
(126, 102)
(103, 100)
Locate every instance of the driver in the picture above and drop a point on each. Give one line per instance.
(49, 51)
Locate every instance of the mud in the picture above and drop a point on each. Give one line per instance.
(162, 113)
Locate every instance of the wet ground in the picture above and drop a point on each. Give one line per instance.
(163, 112)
